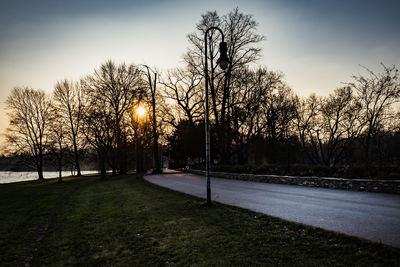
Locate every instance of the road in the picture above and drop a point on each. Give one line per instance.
(373, 216)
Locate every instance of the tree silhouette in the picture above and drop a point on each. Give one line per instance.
(376, 93)
(29, 116)
(117, 88)
(183, 87)
(70, 103)
(242, 39)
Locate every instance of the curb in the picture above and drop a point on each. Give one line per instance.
(367, 185)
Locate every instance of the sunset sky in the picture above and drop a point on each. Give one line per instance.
(317, 44)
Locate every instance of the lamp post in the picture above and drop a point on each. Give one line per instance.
(223, 62)
(153, 88)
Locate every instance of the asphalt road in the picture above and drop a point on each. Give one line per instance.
(373, 216)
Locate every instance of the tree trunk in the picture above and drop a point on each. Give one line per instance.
(124, 156)
(367, 148)
(40, 172)
(76, 152)
(60, 166)
(157, 168)
(139, 155)
(102, 165)
(40, 165)
(59, 170)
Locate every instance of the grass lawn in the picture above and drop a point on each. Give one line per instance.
(123, 221)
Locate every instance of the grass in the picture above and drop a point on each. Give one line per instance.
(123, 221)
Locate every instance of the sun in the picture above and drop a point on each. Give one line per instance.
(141, 111)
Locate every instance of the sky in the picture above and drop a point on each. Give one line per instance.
(317, 44)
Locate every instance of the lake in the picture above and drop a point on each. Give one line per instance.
(12, 177)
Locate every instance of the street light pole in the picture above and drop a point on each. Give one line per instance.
(153, 88)
(223, 61)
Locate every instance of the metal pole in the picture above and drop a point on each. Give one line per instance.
(207, 126)
(153, 88)
(155, 135)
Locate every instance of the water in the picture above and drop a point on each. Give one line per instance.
(12, 177)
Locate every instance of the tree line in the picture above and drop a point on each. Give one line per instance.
(256, 118)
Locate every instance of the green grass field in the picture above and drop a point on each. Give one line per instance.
(123, 221)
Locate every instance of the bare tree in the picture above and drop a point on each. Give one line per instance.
(341, 125)
(266, 109)
(376, 93)
(153, 100)
(29, 115)
(182, 86)
(118, 88)
(69, 100)
(242, 42)
(307, 125)
(57, 136)
(329, 126)
(279, 107)
(98, 130)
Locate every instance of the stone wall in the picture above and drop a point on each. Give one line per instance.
(382, 186)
